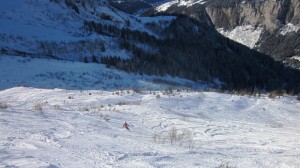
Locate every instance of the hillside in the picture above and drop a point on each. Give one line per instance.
(56, 28)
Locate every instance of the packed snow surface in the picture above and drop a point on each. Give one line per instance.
(73, 128)
(70, 126)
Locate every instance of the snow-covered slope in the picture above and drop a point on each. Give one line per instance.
(72, 128)
(52, 28)
(48, 73)
(247, 35)
(57, 113)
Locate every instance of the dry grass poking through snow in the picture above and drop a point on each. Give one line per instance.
(226, 165)
(3, 106)
(182, 137)
(39, 106)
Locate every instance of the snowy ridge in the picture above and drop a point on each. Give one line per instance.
(189, 3)
(289, 28)
(247, 35)
(186, 3)
(296, 57)
(165, 6)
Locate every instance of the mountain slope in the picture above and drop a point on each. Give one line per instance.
(254, 23)
(196, 51)
(180, 46)
(56, 28)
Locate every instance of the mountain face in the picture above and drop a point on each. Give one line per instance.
(267, 13)
(179, 46)
(269, 26)
(278, 22)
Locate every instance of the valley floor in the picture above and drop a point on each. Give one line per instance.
(73, 128)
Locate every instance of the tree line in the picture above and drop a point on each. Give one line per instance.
(195, 51)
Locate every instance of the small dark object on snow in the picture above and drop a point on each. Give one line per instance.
(125, 125)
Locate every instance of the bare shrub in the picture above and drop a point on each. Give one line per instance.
(185, 119)
(139, 91)
(159, 138)
(121, 103)
(183, 138)
(298, 97)
(173, 135)
(168, 91)
(276, 93)
(156, 138)
(226, 165)
(85, 109)
(105, 117)
(186, 139)
(3, 106)
(158, 96)
(57, 107)
(39, 107)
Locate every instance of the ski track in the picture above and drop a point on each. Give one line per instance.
(78, 132)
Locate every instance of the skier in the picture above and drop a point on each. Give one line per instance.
(125, 125)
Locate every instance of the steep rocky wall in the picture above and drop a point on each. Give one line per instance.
(293, 14)
(270, 14)
(263, 13)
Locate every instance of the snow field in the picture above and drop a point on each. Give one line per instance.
(74, 128)
(49, 73)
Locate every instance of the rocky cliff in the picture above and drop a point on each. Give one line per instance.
(271, 14)
(244, 14)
